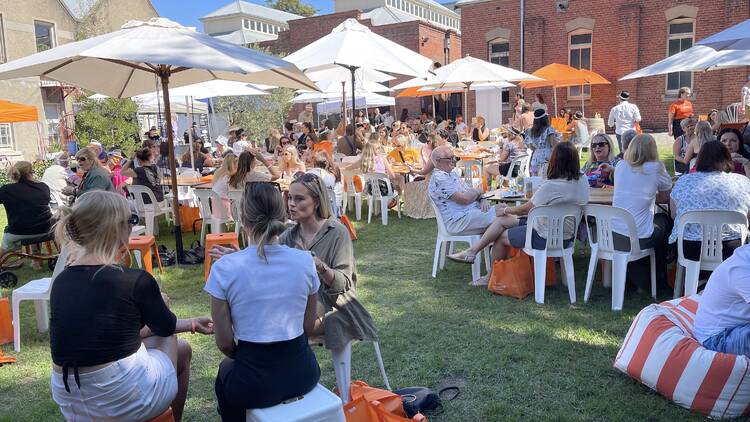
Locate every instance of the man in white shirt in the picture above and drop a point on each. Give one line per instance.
(722, 323)
(623, 116)
(306, 116)
(460, 127)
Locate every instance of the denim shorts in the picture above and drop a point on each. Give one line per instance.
(735, 340)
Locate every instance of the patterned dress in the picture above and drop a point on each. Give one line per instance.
(542, 148)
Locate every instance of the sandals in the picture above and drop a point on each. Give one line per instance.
(463, 256)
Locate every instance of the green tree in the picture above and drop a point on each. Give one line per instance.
(257, 114)
(111, 121)
(292, 6)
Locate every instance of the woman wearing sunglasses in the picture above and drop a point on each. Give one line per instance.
(114, 351)
(95, 177)
(600, 167)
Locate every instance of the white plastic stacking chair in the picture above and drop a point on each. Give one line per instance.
(38, 291)
(149, 212)
(470, 177)
(555, 247)
(733, 113)
(712, 222)
(522, 164)
(373, 180)
(209, 200)
(444, 239)
(57, 200)
(351, 192)
(603, 248)
(342, 366)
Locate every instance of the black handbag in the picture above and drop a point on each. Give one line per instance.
(194, 255)
(166, 256)
(425, 401)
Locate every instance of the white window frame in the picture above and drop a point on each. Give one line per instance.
(679, 37)
(8, 128)
(590, 46)
(52, 33)
(253, 25)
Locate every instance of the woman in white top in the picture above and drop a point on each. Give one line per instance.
(221, 180)
(641, 180)
(263, 302)
(290, 163)
(372, 162)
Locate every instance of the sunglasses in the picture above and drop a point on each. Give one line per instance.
(305, 177)
(454, 160)
(133, 219)
(598, 144)
(250, 186)
(81, 159)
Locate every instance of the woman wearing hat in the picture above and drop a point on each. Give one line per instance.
(512, 149)
(579, 128)
(682, 108)
(541, 138)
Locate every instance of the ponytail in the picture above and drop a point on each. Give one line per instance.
(263, 214)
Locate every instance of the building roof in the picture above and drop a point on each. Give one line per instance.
(460, 3)
(252, 9)
(386, 15)
(249, 37)
(438, 5)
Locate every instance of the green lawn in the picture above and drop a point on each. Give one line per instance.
(514, 359)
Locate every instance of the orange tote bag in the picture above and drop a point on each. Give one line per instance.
(513, 276)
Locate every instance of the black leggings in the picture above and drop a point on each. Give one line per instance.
(692, 248)
(503, 169)
(264, 375)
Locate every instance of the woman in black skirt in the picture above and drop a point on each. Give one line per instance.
(265, 297)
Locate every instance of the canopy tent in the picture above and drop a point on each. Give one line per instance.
(353, 46)
(366, 100)
(13, 112)
(131, 60)
(558, 75)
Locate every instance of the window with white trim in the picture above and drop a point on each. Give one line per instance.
(680, 37)
(499, 52)
(6, 136)
(45, 35)
(579, 56)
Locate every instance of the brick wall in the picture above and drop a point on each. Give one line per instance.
(418, 36)
(627, 35)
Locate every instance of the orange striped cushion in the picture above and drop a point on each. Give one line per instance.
(660, 352)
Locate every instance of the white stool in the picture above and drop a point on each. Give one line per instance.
(319, 405)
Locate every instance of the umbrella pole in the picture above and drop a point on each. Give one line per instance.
(354, 127)
(164, 73)
(190, 134)
(554, 89)
(433, 106)
(343, 103)
(583, 107)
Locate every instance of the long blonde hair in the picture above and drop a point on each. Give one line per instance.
(606, 138)
(228, 167)
(641, 150)
(703, 133)
(96, 225)
(295, 162)
(367, 162)
(263, 214)
(318, 192)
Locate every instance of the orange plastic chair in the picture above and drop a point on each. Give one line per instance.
(167, 416)
(559, 124)
(216, 239)
(6, 321)
(146, 245)
(703, 117)
(326, 146)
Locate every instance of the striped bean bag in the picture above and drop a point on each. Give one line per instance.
(660, 352)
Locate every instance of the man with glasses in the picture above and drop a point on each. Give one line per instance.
(623, 116)
(463, 209)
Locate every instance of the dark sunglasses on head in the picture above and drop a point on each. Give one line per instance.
(249, 186)
(81, 159)
(133, 219)
(305, 177)
(598, 144)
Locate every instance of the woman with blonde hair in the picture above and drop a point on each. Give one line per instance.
(115, 355)
(26, 204)
(290, 163)
(480, 132)
(246, 172)
(372, 162)
(264, 303)
(704, 133)
(600, 167)
(221, 180)
(641, 181)
(95, 177)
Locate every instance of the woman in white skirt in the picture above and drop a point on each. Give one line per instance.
(115, 356)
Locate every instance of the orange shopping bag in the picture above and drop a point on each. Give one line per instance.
(550, 278)
(187, 216)
(348, 224)
(362, 410)
(513, 276)
(6, 323)
(391, 401)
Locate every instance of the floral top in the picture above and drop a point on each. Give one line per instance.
(710, 191)
(513, 150)
(542, 148)
(597, 177)
(442, 186)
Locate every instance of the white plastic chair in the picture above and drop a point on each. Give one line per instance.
(235, 197)
(444, 239)
(555, 247)
(603, 248)
(351, 192)
(711, 222)
(342, 366)
(38, 291)
(470, 176)
(373, 180)
(149, 212)
(209, 201)
(522, 164)
(733, 113)
(316, 406)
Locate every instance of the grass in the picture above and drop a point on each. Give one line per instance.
(513, 359)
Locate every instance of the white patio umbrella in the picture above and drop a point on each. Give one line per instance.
(338, 73)
(736, 37)
(125, 63)
(360, 101)
(470, 70)
(352, 45)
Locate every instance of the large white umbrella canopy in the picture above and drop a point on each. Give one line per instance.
(151, 103)
(353, 46)
(338, 73)
(215, 88)
(365, 100)
(736, 37)
(128, 62)
(368, 86)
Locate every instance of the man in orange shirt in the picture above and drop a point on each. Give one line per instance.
(678, 110)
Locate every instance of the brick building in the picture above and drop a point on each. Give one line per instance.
(426, 38)
(611, 37)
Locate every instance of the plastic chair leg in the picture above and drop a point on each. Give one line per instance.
(487, 260)
(42, 315)
(619, 269)
(447, 246)
(358, 207)
(16, 324)
(379, 357)
(149, 219)
(540, 272)
(436, 260)
(606, 273)
(590, 274)
(692, 273)
(678, 281)
(138, 258)
(369, 210)
(342, 366)
(384, 211)
(566, 263)
(476, 268)
(652, 258)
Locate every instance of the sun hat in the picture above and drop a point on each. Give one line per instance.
(624, 95)
(540, 113)
(578, 115)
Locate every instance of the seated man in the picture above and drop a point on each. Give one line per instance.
(464, 211)
(722, 323)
